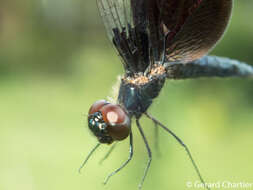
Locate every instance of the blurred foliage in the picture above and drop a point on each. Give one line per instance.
(55, 61)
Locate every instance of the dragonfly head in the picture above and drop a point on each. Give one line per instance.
(108, 122)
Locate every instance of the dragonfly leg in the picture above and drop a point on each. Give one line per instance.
(125, 163)
(149, 154)
(182, 144)
(157, 147)
(108, 153)
(89, 155)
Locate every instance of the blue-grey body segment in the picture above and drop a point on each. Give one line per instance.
(137, 99)
(209, 66)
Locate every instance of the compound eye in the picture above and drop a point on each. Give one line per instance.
(96, 106)
(117, 120)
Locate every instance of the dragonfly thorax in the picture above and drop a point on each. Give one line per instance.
(137, 93)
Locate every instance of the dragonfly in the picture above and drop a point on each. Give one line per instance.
(158, 40)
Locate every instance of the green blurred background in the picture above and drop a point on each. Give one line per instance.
(55, 61)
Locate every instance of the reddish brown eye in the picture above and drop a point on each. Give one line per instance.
(97, 105)
(108, 122)
(113, 114)
(117, 120)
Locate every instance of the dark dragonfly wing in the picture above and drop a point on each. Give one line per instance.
(116, 20)
(127, 27)
(199, 26)
(137, 28)
(183, 30)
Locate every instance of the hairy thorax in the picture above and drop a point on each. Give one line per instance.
(142, 78)
(137, 92)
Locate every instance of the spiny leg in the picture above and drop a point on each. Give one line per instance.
(182, 144)
(108, 153)
(149, 153)
(157, 147)
(125, 163)
(89, 155)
